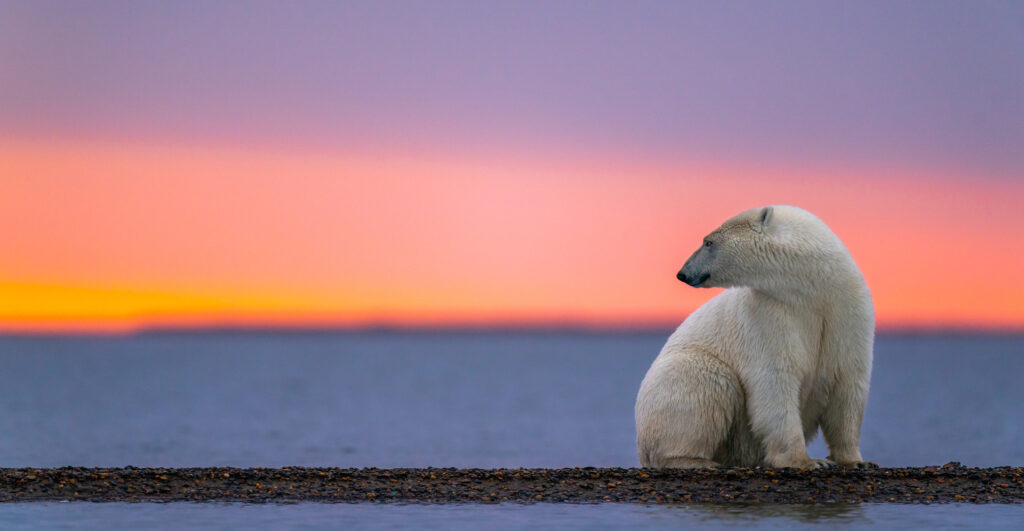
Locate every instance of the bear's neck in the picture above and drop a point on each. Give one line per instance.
(819, 289)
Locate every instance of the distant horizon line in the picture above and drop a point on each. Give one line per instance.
(452, 328)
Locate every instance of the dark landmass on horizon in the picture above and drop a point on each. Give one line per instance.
(948, 483)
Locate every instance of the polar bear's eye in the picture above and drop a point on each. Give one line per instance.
(707, 243)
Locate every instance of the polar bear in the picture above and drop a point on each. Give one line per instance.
(749, 377)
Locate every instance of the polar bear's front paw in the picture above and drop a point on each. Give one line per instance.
(821, 463)
(805, 464)
(859, 464)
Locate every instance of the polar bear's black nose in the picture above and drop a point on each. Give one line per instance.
(682, 276)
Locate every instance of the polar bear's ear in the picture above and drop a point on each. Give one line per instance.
(765, 217)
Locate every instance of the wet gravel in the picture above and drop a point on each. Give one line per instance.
(948, 483)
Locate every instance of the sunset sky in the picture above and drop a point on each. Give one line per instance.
(464, 163)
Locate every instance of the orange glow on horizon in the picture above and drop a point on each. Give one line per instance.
(103, 236)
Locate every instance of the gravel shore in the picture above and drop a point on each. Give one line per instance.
(948, 483)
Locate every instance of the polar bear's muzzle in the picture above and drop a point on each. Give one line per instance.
(697, 268)
(693, 280)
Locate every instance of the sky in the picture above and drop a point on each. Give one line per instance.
(481, 163)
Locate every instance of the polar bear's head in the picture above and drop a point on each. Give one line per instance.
(774, 247)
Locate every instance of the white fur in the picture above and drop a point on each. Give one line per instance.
(748, 378)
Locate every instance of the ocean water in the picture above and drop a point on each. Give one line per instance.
(31, 516)
(473, 399)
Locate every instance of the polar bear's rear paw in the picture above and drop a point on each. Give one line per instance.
(688, 462)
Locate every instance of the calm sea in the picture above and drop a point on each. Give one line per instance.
(472, 399)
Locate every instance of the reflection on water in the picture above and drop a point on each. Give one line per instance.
(501, 516)
(835, 513)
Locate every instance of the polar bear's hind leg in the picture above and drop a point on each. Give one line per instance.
(686, 411)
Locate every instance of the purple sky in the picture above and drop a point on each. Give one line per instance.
(911, 84)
